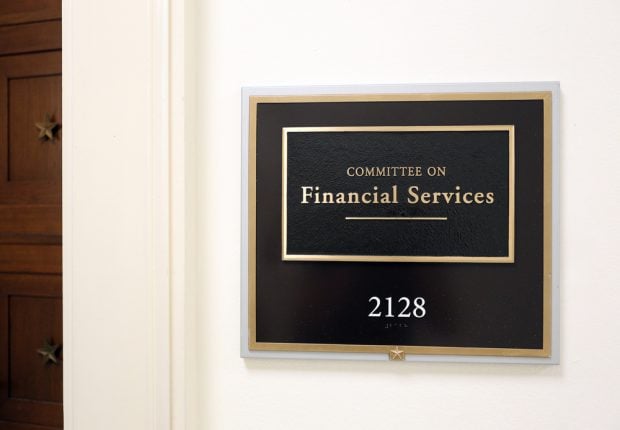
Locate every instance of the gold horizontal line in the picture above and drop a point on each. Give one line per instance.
(398, 258)
(397, 128)
(396, 218)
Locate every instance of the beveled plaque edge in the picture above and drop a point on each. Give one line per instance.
(549, 92)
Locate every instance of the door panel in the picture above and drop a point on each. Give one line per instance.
(34, 324)
(30, 158)
(31, 388)
(30, 167)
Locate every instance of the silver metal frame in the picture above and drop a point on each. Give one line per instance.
(553, 87)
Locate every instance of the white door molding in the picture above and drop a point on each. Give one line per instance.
(123, 214)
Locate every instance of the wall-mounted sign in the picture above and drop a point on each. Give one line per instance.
(411, 223)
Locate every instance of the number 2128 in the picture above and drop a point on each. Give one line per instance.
(418, 311)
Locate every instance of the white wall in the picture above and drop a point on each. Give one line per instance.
(277, 42)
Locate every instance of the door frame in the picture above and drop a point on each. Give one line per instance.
(89, 53)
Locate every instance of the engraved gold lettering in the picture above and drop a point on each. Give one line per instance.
(354, 198)
(447, 197)
(413, 196)
(306, 193)
(313, 194)
(383, 171)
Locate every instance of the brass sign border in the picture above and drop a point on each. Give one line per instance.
(509, 258)
(545, 95)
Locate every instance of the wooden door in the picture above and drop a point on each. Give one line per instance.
(30, 215)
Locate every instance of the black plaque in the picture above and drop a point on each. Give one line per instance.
(403, 224)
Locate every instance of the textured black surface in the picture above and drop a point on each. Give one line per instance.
(468, 305)
(475, 161)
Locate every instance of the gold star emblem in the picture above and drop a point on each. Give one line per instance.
(49, 351)
(47, 127)
(397, 354)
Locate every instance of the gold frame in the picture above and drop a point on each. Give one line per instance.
(545, 351)
(509, 258)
